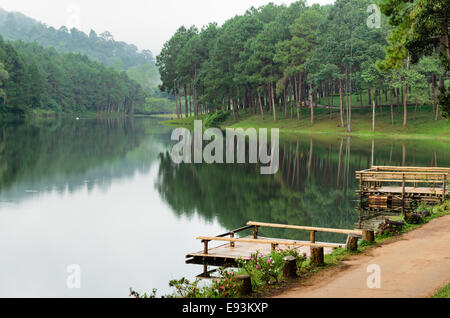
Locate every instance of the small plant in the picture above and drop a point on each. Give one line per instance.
(226, 286)
(300, 257)
(268, 269)
(185, 289)
(135, 294)
(217, 118)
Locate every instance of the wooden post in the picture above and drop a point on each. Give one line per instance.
(444, 188)
(368, 235)
(403, 189)
(205, 249)
(232, 244)
(290, 267)
(352, 242)
(246, 287)
(317, 256)
(255, 232)
(313, 237)
(361, 182)
(205, 271)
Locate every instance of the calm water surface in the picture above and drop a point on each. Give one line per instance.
(103, 194)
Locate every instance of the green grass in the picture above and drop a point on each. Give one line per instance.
(443, 293)
(420, 125)
(171, 116)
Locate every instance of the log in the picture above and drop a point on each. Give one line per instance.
(246, 287)
(368, 236)
(413, 218)
(352, 242)
(424, 213)
(317, 256)
(388, 226)
(290, 267)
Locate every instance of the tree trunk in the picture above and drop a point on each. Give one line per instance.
(442, 88)
(433, 92)
(352, 242)
(195, 103)
(341, 95)
(299, 95)
(349, 111)
(392, 105)
(317, 256)
(405, 105)
(311, 101)
(273, 102)
(373, 113)
(186, 101)
(261, 108)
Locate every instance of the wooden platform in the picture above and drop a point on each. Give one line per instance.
(408, 191)
(225, 254)
(390, 184)
(242, 248)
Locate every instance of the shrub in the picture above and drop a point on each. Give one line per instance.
(217, 118)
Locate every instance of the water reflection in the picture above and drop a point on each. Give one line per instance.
(40, 156)
(103, 193)
(315, 185)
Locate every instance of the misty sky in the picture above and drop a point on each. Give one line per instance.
(145, 23)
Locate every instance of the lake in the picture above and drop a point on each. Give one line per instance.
(103, 194)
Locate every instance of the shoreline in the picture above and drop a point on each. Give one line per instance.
(343, 263)
(425, 129)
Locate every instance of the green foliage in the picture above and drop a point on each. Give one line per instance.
(421, 28)
(443, 293)
(35, 78)
(140, 66)
(277, 57)
(135, 294)
(268, 269)
(225, 286)
(157, 105)
(263, 270)
(217, 118)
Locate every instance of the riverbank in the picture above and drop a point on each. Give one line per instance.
(421, 125)
(413, 264)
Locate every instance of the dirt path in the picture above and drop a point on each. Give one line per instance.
(414, 266)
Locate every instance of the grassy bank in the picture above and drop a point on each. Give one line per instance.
(339, 255)
(266, 271)
(420, 124)
(443, 293)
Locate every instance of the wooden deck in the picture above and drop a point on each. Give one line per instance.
(242, 248)
(408, 191)
(225, 254)
(393, 184)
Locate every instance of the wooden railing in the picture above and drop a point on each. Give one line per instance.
(312, 230)
(276, 242)
(411, 169)
(375, 177)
